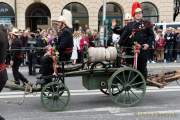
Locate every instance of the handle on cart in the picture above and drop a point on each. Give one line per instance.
(137, 48)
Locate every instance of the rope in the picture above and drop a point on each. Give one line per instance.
(28, 90)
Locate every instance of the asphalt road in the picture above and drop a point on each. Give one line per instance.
(158, 104)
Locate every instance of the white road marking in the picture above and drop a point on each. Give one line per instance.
(163, 66)
(165, 113)
(86, 92)
(123, 112)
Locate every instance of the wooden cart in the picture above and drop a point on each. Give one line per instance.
(124, 85)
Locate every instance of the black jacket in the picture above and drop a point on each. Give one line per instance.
(118, 30)
(65, 39)
(46, 65)
(3, 46)
(16, 47)
(170, 38)
(143, 33)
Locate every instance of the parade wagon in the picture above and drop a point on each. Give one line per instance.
(102, 70)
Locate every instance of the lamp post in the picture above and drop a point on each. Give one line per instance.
(104, 12)
(15, 9)
(176, 9)
(104, 23)
(103, 28)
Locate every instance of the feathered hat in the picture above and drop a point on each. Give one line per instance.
(68, 16)
(136, 7)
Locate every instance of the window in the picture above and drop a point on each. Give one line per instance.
(37, 14)
(80, 15)
(7, 16)
(113, 12)
(150, 12)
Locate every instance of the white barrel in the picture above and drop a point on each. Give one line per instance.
(91, 57)
(102, 54)
(113, 53)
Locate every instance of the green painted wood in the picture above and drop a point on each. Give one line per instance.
(95, 71)
(55, 96)
(127, 87)
(104, 87)
(92, 81)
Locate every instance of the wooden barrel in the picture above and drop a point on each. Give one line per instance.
(113, 53)
(102, 54)
(96, 54)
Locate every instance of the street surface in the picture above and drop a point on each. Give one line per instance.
(158, 104)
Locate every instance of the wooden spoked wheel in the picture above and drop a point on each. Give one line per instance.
(127, 87)
(55, 96)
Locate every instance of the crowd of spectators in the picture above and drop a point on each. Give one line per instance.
(34, 43)
(165, 47)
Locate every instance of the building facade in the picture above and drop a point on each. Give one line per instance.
(39, 13)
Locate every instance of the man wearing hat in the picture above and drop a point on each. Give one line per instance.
(65, 38)
(139, 32)
(17, 57)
